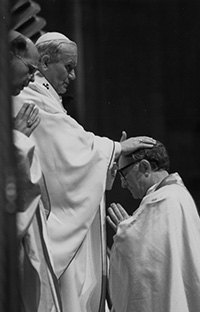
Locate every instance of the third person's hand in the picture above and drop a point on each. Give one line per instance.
(27, 119)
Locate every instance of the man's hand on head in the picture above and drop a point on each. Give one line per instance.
(132, 144)
(27, 119)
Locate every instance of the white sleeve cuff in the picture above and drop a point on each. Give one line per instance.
(118, 150)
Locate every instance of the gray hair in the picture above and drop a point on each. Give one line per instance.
(53, 49)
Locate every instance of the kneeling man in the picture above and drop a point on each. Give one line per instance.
(155, 256)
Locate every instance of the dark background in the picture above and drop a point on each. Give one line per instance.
(138, 71)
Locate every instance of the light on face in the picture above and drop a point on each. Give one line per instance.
(31, 67)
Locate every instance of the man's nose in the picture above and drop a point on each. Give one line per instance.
(72, 75)
(123, 183)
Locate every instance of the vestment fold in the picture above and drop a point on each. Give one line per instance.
(38, 292)
(74, 163)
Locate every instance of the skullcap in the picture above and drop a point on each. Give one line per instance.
(49, 36)
(13, 35)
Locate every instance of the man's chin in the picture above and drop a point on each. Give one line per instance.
(63, 90)
(62, 93)
(16, 92)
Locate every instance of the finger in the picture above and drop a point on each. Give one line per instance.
(33, 115)
(122, 211)
(146, 145)
(31, 128)
(111, 223)
(124, 136)
(22, 111)
(116, 212)
(113, 216)
(34, 124)
(29, 111)
(146, 140)
(34, 112)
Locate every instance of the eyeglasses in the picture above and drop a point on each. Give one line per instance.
(31, 67)
(124, 172)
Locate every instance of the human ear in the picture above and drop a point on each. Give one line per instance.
(45, 60)
(145, 167)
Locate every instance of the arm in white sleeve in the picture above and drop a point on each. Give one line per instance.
(112, 170)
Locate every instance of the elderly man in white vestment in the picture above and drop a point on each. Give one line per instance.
(38, 284)
(75, 164)
(155, 257)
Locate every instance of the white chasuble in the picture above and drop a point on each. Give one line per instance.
(155, 258)
(38, 290)
(74, 163)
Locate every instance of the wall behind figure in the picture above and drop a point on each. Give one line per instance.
(138, 71)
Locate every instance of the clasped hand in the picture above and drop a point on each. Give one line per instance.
(27, 119)
(116, 215)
